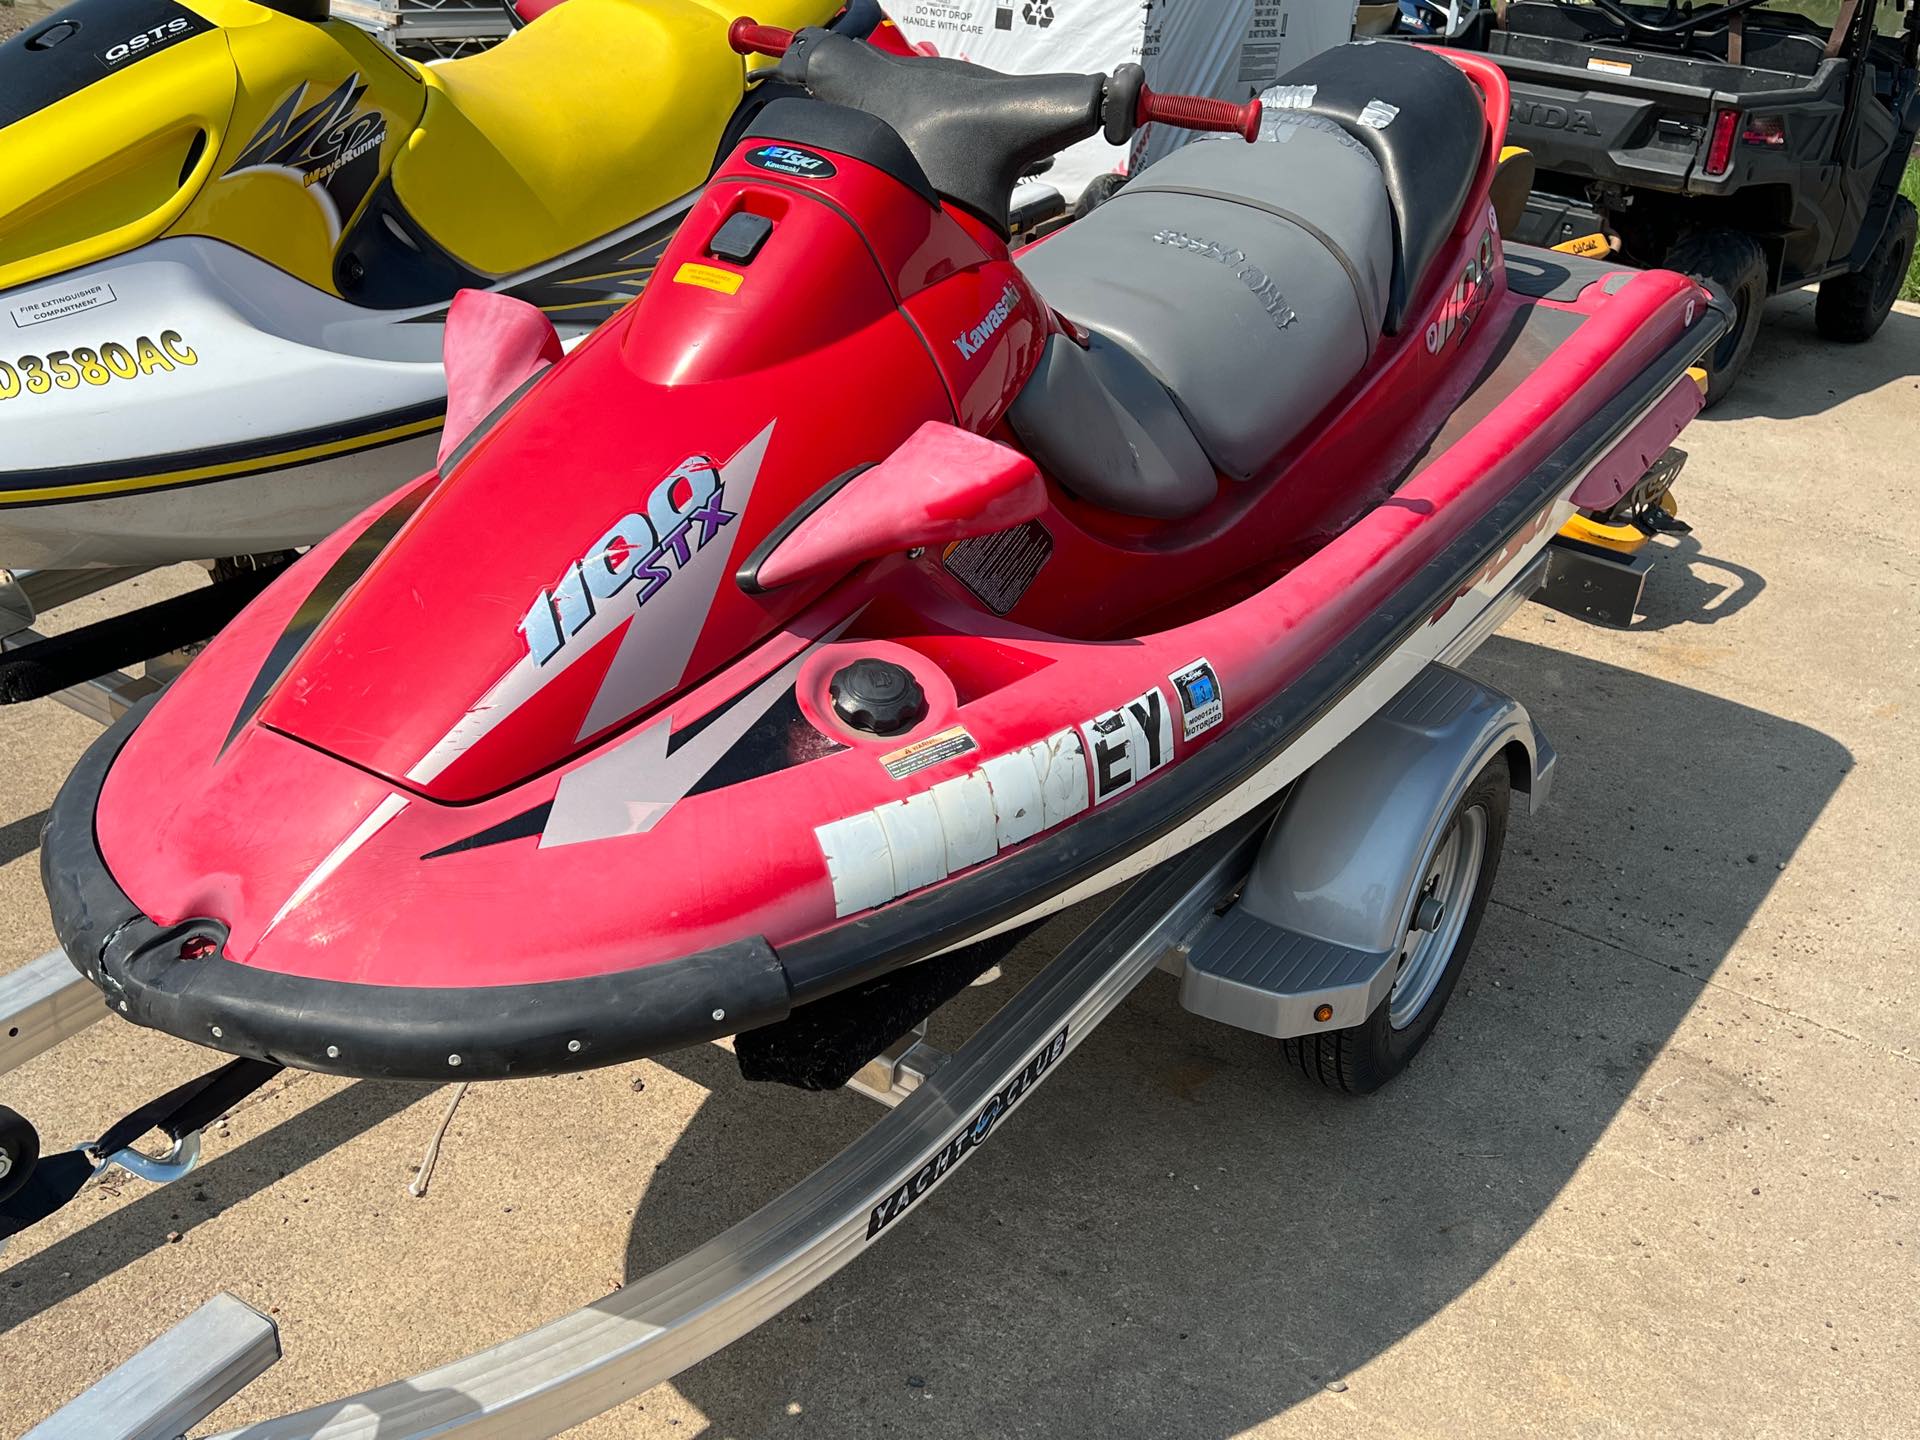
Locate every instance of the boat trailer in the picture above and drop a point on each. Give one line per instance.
(1254, 966)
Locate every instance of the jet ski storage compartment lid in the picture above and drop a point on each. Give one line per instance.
(1251, 280)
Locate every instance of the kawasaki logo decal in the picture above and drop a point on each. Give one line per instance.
(969, 344)
(332, 147)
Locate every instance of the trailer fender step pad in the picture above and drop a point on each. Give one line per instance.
(1254, 975)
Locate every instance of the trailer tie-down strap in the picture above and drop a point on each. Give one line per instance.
(56, 1179)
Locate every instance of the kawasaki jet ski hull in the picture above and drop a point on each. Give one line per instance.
(695, 691)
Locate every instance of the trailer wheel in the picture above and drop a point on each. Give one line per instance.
(1852, 307)
(1732, 265)
(1453, 894)
(19, 1151)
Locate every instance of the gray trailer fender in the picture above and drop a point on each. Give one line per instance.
(1345, 855)
(1327, 905)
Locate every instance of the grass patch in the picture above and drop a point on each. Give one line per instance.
(1910, 187)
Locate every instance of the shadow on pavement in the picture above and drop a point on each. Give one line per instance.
(1176, 1231)
(1794, 372)
(117, 1239)
(20, 837)
(1690, 587)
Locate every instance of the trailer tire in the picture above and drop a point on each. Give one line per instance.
(1852, 307)
(1362, 1058)
(20, 1150)
(1732, 265)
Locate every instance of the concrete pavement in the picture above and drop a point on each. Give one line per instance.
(1657, 1173)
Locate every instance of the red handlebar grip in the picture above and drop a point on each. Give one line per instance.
(749, 37)
(1199, 112)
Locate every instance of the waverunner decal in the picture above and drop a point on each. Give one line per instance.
(964, 1141)
(328, 147)
(653, 653)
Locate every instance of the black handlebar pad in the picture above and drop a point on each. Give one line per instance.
(973, 130)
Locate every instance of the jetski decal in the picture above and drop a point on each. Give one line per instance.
(85, 43)
(1468, 296)
(906, 845)
(636, 547)
(667, 550)
(630, 789)
(375, 822)
(331, 147)
(1128, 744)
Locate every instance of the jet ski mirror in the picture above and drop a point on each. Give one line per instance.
(943, 484)
(493, 348)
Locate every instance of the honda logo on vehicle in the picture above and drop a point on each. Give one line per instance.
(969, 344)
(1545, 115)
(682, 515)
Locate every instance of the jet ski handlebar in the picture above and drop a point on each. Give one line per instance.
(1125, 103)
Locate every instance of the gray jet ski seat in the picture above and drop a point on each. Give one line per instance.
(1231, 291)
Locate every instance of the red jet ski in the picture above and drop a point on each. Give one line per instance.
(863, 590)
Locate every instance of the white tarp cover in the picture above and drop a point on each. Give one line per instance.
(1232, 49)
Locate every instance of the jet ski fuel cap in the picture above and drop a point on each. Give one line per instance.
(877, 696)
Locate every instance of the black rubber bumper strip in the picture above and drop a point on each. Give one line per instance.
(382, 1031)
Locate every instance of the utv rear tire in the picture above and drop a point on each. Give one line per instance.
(1852, 307)
(1734, 267)
(1100, 189)
(1363, 1057)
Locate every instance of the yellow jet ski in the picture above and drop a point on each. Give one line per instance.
(230, 232)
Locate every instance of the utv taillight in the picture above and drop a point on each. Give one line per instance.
(1768, 130)
(1720, 149)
